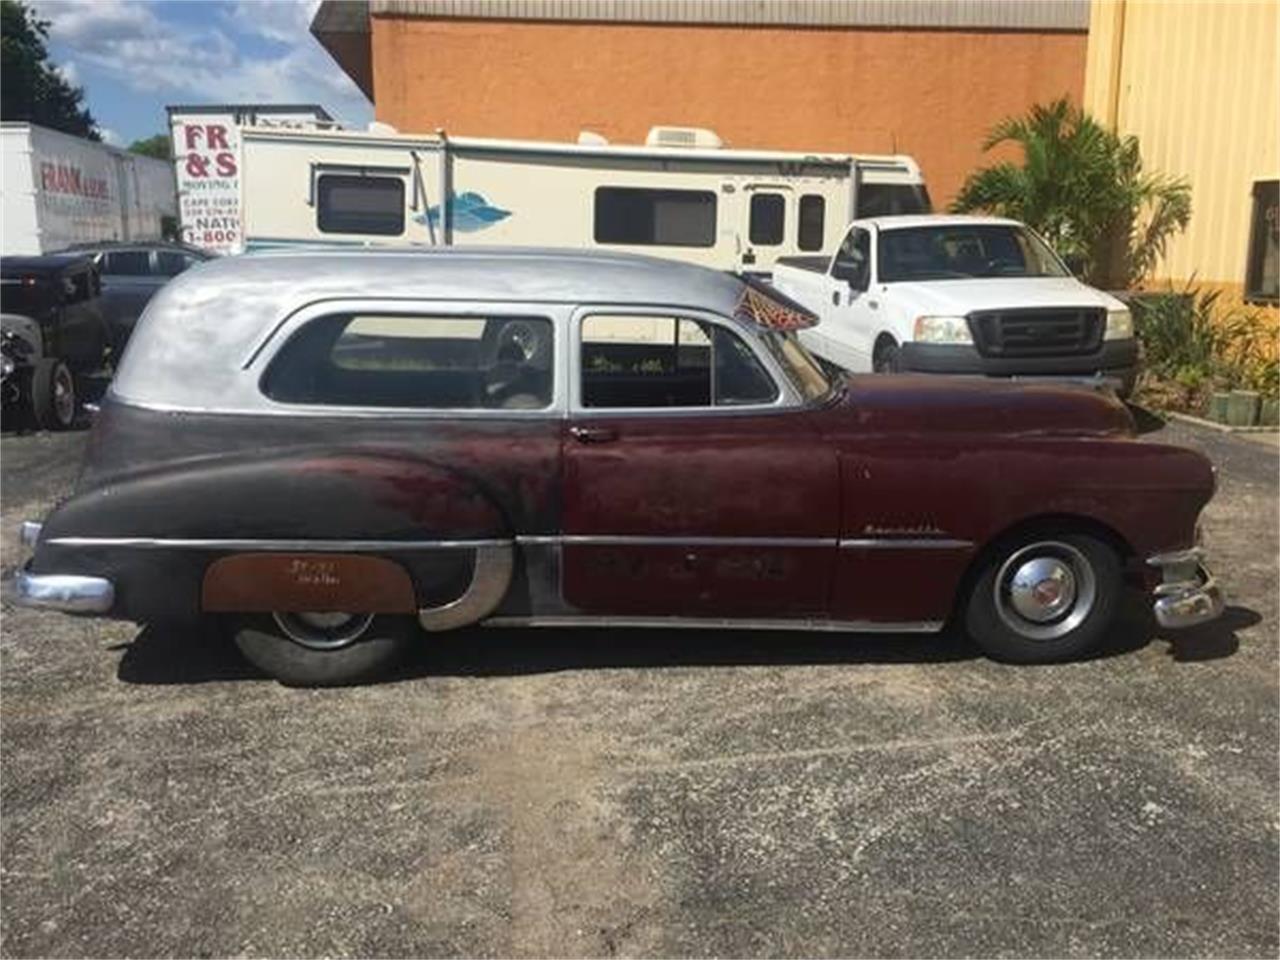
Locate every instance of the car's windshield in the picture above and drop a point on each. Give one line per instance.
(964, 251)
(801, 369)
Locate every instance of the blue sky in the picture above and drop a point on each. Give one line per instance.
(135, 56)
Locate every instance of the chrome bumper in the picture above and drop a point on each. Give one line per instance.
(1188, 593)
(64, 591)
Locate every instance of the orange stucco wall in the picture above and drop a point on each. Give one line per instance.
(932, 94)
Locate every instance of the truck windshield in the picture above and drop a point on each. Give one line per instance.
(962, 252)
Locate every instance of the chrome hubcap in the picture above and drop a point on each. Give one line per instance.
(1045, 590)
(64, 396)
(323, 630)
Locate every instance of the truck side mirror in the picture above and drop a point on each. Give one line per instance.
(851, 271)
(1076, 263)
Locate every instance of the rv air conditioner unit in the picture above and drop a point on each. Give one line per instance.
(699, 138)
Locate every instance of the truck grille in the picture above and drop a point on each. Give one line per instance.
(1037, 332)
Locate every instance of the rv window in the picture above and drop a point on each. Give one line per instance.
(812, 213)
(768, 218)
(640, 362)
(672, 218)
(348, 204)
(892, 199)
(442, 363)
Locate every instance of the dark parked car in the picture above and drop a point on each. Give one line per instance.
(52, 330)
(330, 450)
(131, 275)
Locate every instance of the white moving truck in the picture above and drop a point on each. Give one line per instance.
(977, 296)
(60, 190)
(680, 195)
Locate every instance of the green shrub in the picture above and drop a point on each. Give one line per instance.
(1191, 346)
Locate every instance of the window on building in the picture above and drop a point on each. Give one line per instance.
(809, 233)
(127, 263)
(640, 361)
(1262, 275)
(428, 362)
(347, 204)
(671, 218)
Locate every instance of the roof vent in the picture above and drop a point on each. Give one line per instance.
(687, 137)
(589, 138)
(378, 126)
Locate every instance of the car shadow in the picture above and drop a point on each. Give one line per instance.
(195, 653)
(1145, 420)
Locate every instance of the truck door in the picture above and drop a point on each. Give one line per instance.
(851, 310)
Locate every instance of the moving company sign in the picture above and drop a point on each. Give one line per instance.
(206, 151)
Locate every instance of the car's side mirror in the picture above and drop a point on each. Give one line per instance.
(1076, 263)
(853, 272)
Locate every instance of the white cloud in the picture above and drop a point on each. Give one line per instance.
(69, 73)
(110, 136)
(130, 42)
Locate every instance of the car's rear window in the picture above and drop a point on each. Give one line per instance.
(416, 361)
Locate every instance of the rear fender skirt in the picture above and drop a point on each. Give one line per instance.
(490, 580)
(301, 582)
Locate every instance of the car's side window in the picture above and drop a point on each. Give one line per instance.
(170, 264)
(635, 361)
(127, 263)
(417, 361)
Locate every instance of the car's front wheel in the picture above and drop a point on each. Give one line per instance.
(326, 649)
(1043, 599)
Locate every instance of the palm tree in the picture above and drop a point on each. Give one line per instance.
(1082, 187)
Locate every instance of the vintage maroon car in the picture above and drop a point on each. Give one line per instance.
(331, 450)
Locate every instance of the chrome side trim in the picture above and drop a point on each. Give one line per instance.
(870, 543)
(904, 543)
(490, 579)
(718, 623)
(355, 546)
(620, 540)
(29, 533)
(329, 546)
(63, 591)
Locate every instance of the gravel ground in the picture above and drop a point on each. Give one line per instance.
(647, 793)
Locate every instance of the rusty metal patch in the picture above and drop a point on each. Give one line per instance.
(297, 582)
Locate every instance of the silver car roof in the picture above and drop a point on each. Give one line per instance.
(191, 346)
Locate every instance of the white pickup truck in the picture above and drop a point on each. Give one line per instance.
(960, 295)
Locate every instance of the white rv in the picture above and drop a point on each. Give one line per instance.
(680, 195)
(59, 190)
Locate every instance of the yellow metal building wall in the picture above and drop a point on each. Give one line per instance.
(1198, 82)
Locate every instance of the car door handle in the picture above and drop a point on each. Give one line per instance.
(835, 297)
(593, 434)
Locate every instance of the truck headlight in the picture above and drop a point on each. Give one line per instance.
(1119, 325)
(943, 330)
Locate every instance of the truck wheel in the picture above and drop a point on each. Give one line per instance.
(887, 359)
(53, 395)
(324, 649)
(1044, 599)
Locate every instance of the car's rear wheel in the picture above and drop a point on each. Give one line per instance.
(1046, 598)
(53, 395)
(324, 649)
